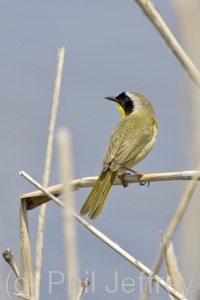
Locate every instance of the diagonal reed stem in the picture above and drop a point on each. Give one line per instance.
(154, 16)
(46, 174)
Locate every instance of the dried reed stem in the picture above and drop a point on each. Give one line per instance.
(65, 167)
(153, 14)
(46, 174)
(35, 199)
(110, 243)
(26, 267)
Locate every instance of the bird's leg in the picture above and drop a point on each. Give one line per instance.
(121, 177)
(139, 175)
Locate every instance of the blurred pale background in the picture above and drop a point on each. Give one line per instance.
(110, 47)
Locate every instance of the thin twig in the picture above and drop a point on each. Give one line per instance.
(65, 166)
(46, 174)
(173, 226)
(153, 14)
(108, 242)
(37, 198)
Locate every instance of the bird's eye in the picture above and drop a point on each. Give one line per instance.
(126, 99)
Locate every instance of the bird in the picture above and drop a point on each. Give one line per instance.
(130, 142)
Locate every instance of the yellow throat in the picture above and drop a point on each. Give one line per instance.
(122, 111)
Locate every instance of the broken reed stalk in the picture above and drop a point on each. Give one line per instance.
(171, 263)
(84, 284)
(69, 228)
(108, 242)
(7, 255)
(46, 174)
(154, 16)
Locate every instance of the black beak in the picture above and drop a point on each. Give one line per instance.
(111, 98)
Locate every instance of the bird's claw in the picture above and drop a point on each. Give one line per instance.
(139, 175)
(121, 177)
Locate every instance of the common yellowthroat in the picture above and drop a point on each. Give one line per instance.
(132, 139)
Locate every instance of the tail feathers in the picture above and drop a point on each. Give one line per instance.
(97, 197)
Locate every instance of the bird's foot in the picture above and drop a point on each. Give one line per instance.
(139, 175)
(121, 177)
